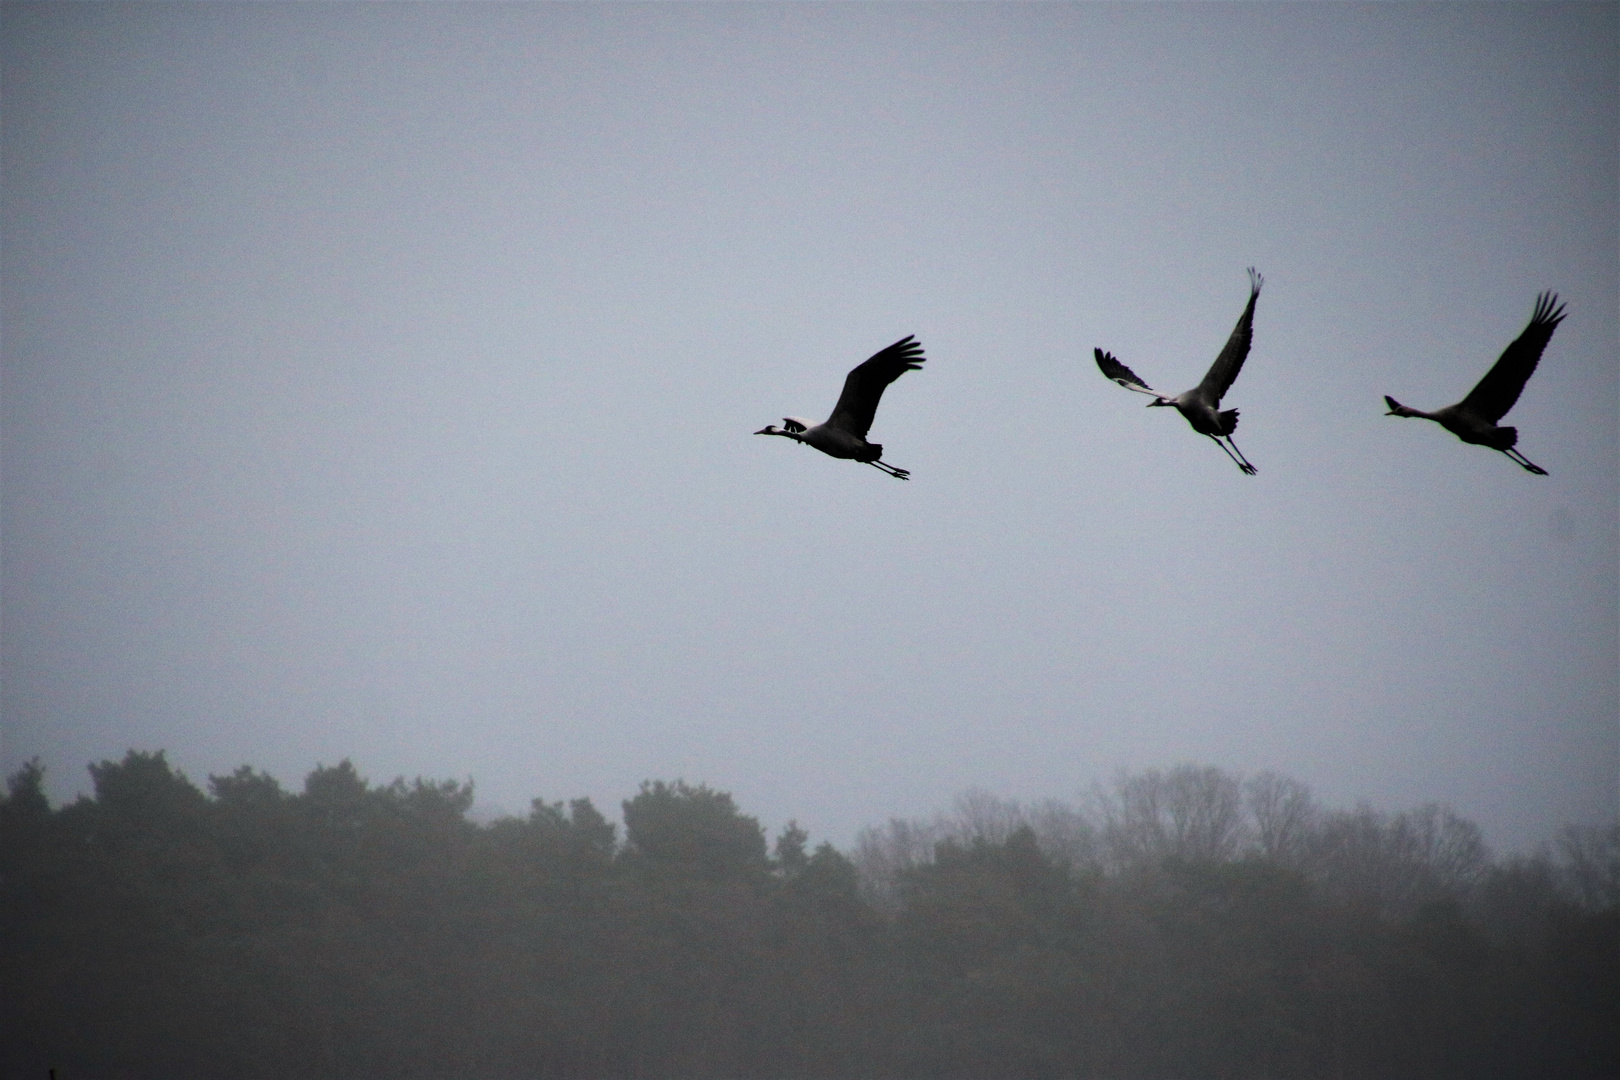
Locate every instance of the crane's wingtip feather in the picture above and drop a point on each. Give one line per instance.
(1549, 312)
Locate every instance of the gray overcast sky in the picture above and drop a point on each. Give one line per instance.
(379, 382)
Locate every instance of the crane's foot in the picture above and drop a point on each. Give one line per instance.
(884, 466)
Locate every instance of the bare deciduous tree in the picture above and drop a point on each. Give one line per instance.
(1283, 815)
(1186, 812)
(1590, 869)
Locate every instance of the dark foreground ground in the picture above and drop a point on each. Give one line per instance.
(1190, 926)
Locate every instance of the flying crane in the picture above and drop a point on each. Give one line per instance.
(844, 433)
(1202, 404)
(1474, 418)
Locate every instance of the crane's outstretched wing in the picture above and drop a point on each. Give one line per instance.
(1224, 371)
(1121, 374)
(864, 387)
(1501, 386)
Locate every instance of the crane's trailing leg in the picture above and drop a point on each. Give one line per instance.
(1237, 458)
(884, 466)
(1243, 462)
(1525, 462)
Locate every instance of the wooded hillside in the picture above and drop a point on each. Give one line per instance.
(1187, 924)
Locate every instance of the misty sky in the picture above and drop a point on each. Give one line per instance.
(379, 382)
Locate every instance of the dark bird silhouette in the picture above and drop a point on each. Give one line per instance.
(1473, 419)
(844, 433)
(1202, 404)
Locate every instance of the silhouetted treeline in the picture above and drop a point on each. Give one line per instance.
(1183, 923)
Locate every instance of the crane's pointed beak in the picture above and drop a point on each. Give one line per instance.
(769, 429)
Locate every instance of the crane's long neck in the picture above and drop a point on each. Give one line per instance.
(786, 434)
(1397, 409)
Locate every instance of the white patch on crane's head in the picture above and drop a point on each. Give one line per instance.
(794, 424)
